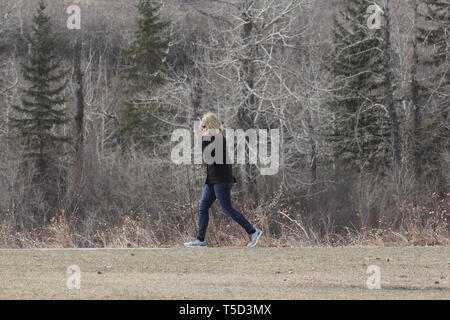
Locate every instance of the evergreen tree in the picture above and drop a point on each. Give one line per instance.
(144, 59)
(361, 127)
(40, 114)
(435, 92)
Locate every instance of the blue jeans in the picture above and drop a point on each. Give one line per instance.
(221, 192)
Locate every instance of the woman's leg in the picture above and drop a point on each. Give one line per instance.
(208, 198)
(223, 194)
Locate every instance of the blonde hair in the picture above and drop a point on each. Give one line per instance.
(211, 121)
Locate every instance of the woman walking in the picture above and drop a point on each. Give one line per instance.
(218, 184)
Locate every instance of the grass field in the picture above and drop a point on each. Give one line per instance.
(227, 273)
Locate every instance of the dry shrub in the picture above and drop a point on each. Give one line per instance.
(132, 200)
(132, 233)
(55, 234)
(420, 225)
(427, 224)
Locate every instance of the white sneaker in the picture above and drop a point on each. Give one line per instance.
(254, 238)
(195, 243)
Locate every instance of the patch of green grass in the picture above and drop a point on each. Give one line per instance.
(227, 273)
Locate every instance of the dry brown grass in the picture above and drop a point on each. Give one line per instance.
(227, 273)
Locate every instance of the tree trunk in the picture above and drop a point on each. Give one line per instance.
(389, 87)
(79, 132)
(415, 101)
(79, 117)
(246, 120)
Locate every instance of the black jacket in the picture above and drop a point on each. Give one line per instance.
(218, 172)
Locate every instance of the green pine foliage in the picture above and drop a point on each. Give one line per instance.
(40, 114)
(434, 36)
(144, 59)
(361, 128)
